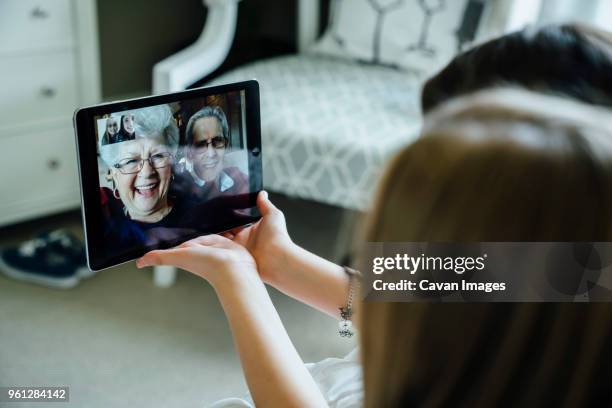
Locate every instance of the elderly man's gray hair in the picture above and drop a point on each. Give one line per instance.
(154, 122)
(207, 112)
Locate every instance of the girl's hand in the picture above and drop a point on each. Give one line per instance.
(217, 259)
(267, 240)
(292, 270)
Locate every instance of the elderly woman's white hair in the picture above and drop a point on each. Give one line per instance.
(155, 122)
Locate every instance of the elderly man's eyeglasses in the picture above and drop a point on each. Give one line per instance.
(134, 165)
(217, 142)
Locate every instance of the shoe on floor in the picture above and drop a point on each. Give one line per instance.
(55, 259)
(64, 242)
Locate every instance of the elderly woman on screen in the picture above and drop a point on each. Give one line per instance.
(141, 169)
(139, 209)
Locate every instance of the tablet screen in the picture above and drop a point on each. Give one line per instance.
(171, 171)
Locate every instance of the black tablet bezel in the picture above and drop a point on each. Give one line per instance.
(88, 165)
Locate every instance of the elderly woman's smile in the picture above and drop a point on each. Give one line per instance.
(147, 190)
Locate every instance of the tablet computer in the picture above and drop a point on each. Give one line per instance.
(160, 170)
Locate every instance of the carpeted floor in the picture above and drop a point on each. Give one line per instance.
(118, 341)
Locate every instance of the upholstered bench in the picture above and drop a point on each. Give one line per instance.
(329, 124)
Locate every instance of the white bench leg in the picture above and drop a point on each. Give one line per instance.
(344, 237)
(164, 276)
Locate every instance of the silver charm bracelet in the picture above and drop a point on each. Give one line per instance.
(345, 325)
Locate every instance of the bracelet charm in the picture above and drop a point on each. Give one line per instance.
(345, 328)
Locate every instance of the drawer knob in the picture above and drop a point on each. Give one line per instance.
(47, 92)
(53, 164)
(38, 12)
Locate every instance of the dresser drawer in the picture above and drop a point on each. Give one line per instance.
(28, 25)
(36, 88)
(39, 174)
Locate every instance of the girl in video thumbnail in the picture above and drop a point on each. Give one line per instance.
(127, 128)
(112, 126)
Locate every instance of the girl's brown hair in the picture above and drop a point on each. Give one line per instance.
(573, 60)
(503, 165)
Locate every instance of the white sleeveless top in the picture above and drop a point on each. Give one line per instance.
(339, 379)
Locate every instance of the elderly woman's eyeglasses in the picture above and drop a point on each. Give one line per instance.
(217, 142)
(134, 165)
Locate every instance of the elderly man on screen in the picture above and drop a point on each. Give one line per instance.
(207, 141)
(218, 194)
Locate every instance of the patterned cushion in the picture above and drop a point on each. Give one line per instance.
(421, 35)
(329, 125)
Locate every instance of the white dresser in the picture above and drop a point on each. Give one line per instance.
(49, 66)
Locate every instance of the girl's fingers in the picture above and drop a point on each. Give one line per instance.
(264, 205)
(160, 257)
(236, 231)
(188, 254)
(208, 240)
(185, 257)
(187, 244)
(213, 240)
(228, 235)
